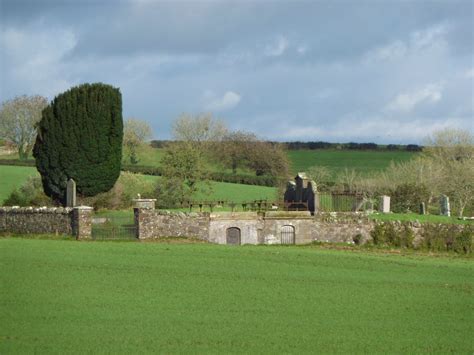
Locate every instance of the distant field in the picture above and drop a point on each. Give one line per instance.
(15, 176)
(130, 297)
(12, 177)
(364, 162)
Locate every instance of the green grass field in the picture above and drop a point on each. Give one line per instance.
(12, 177)
(364, 162)
(129, 297)
(15, 176)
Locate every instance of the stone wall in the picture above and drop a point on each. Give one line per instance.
(57, 220)
(152, 223)
(254, 227)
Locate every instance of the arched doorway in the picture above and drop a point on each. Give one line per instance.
(287, 235)
(233, 236)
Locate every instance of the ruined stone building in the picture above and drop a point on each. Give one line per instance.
(301, 194)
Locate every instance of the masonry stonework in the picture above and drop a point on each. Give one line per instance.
(254, 227)
(42, 220)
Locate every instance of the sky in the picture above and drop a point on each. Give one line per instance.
(338, 71)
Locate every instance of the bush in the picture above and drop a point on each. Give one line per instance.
(29, 194)
(463, 241)
(407, 197)
(444, 237)
(121, 195)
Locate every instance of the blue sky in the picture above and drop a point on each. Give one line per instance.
(378, 71)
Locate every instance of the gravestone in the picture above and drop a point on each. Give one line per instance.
(422, 208)
(71, 193)
(384, 204)
(444, 207)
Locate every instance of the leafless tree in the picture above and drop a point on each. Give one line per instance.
(18, 118)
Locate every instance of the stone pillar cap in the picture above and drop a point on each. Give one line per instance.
(83, 208)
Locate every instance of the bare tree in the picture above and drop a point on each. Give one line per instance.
(202, 128)
(453, 151)
(321, 175)
(450, 145)
(235, 149)
(18, 118)
(348, 179)
(135, 133)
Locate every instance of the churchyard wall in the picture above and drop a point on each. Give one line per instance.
(75, 221)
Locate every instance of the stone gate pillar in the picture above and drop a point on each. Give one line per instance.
(141, 211)
(82, 222)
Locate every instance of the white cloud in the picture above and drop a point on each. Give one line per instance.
(432, 37)
(226, 102)
(470, 73)
(394, 50)
(277, 48)
(302, 49)
(407, 101)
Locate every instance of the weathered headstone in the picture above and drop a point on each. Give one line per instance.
(384, 204)
(444, 207)
(422, 208)
(71, 193)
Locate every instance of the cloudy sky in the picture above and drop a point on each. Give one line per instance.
(378, 71)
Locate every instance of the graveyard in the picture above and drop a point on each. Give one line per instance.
(236, 177)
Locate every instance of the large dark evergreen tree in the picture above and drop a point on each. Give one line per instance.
(80, 137)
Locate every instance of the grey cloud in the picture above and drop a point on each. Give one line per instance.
(360, 56)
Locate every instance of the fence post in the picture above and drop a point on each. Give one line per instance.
(82, 222)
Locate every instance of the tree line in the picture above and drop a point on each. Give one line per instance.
(315, 145)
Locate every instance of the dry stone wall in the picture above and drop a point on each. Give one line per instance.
(152, 223)
(56, 220)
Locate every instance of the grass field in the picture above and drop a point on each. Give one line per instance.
(15, 176)
(364, 162)
(12, 177)
(128, 297)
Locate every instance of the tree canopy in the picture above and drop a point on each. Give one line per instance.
(80, 137)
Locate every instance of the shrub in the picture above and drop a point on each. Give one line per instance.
(121, 195)
(29, 194)
(407, 197)
(463, 241)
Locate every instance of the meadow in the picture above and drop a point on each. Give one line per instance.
(365, 162)
(12, 177)
(60, 296)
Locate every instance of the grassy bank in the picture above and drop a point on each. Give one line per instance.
(64, 296)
